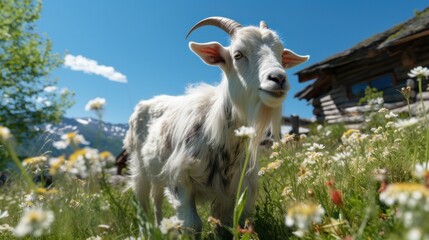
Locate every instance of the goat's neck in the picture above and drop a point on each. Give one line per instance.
(230, 110)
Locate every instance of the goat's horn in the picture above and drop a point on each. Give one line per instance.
(226, 24)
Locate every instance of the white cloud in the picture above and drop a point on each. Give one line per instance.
(81, 63)
(50, 89)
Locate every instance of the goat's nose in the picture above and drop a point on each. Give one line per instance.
(278, 78)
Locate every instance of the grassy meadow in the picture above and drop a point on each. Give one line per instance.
(334, 183)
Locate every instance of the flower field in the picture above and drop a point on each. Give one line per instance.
(350, 184)
(334, 183)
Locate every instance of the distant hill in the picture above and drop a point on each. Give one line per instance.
(101, 135)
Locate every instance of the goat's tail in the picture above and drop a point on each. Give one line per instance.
(122, 160)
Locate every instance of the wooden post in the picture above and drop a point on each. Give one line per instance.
(121, 162)
(294, 122)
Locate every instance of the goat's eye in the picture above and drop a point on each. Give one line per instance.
(238, 55)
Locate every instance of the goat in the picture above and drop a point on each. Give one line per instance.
(184, 146)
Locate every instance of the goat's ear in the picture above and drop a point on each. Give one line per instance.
(291, 59)
(211, 53)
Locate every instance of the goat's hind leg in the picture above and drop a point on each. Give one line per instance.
(187, 210)
(144, 188)
(141, 187)
(158, 197)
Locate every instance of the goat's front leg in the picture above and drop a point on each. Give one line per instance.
(223, 207)
(186, 210)
(251, 183)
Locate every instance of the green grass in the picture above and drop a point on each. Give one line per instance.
(355, 165)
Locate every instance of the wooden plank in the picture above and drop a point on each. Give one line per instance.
(366, 108)
(411, 37)
(331, 112)
(356, 109)
(347, 104)
(322, 111)
(375, 65)
(341, 100)
(425, 96)
(332, 117)
(394, 98)
(325, 98)
(327, 103)
(362, 74)
(335, 97)
(330, 107)
(366, 71)
(423, 59)
(415, 108)
(338, 90)
(353, 125)
(354, 119)
(342, 94)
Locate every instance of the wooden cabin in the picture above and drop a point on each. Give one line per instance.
(381, 62)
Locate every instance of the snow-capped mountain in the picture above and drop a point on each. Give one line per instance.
(101, 135)
(87, 124)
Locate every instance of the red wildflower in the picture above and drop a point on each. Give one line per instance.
(336, 197)
(330, 183)
(383, 186)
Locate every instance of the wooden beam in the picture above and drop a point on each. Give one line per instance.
(410, 38)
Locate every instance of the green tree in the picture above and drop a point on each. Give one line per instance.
(28, 94)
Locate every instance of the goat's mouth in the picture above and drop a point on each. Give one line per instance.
(276, 93)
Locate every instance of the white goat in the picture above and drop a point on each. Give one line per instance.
(185, 145)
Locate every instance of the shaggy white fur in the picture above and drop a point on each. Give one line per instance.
(185, 145)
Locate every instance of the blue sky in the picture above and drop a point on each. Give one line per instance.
(144, 41)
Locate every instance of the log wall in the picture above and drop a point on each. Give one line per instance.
(335, 105)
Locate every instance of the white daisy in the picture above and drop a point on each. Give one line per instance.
(35, 221)
(168, 224)
(95, 104)
(245, 132)
(419, 72)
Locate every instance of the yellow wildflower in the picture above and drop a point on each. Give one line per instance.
(105, 154)
(56, 164)
(406, 194)
(107, 157)
(75, 156)
(288, 138)
(302, 215)
(44, 191)
(34, 160)
(274, 165)
(350, 132)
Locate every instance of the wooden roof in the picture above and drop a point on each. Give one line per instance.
(409, 30)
